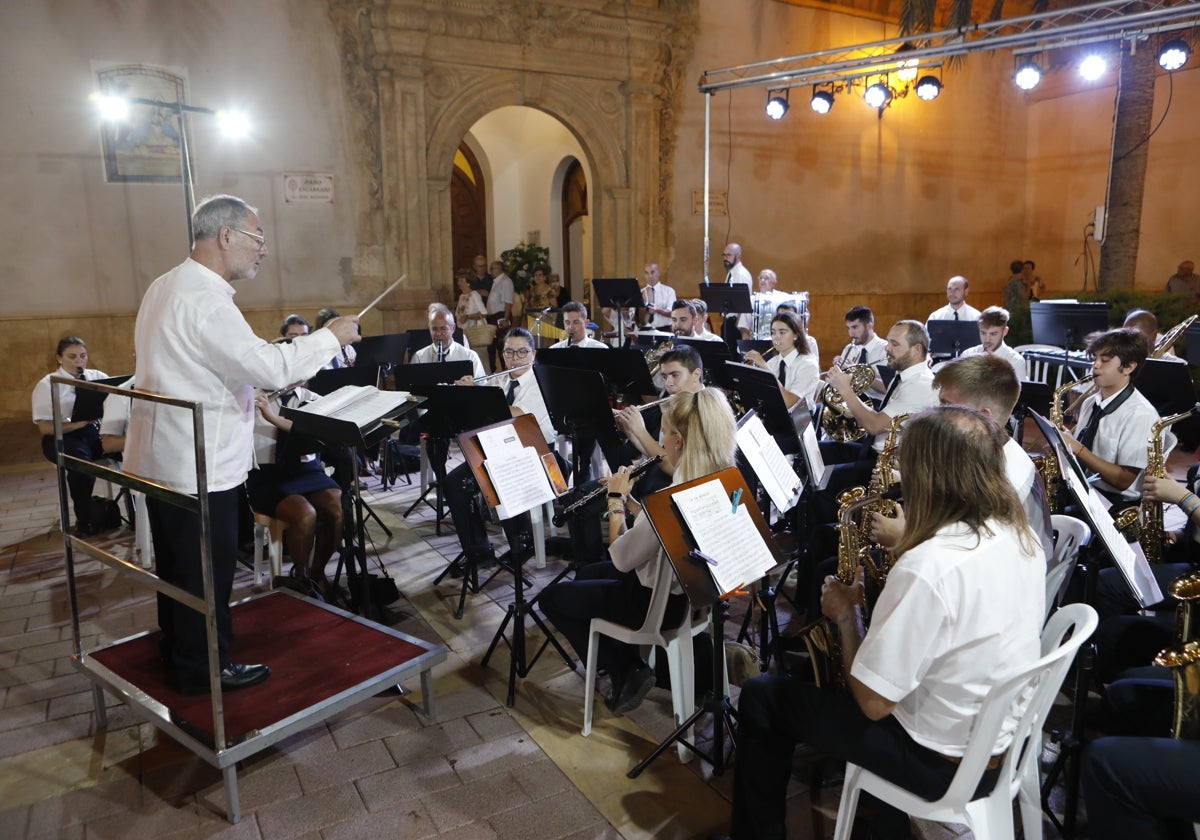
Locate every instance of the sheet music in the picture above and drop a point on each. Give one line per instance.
(500, 441)
(732, 540)
(769, 463)
(520, 481)
(812, 455)
(361, 405)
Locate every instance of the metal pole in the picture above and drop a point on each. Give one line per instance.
(707, 142)
(185, 174)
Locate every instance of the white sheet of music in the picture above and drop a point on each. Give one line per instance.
(769, 463)
(731, 539)
(520, 481)
(500, 441)
(362, 405)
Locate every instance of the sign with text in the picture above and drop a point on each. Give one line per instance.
(308, 188)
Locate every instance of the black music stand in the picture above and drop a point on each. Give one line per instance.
(89, 404)
(348, 433)
(713, 355)
(1191, 344)
(1067, 324)
(424, 379)
(382, 350)
(947, 339)
(519, 665)
(619, 293)
(416, 339)
(623, 368)
(1167, 385)
(579, 408)
(759, 390)
(745, 345)
(727, 300)
(693, 571)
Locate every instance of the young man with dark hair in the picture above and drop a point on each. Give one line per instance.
(993, 327)
(865, 347)
(575, 322)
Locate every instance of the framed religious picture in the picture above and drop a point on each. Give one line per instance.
(145, 146)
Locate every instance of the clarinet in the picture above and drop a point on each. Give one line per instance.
(579, 504)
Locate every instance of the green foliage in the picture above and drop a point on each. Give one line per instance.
(520, 261)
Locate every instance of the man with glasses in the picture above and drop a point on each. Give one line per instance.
(192, 343)
(524, 397)
(443, 347)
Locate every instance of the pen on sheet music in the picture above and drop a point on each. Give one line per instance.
(736, 498)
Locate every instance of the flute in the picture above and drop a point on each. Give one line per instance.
(570, 510)
(644, 406)
(504, 372)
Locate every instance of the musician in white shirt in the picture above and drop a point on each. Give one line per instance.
(865, 347)
(575, 321)
(993, 326)
(956, 308)
(658, 298)
(443, 347)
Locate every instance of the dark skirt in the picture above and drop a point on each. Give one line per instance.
(270, 484)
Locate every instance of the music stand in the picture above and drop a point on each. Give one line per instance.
(330, 379)
(727, 300)
(759, 390)
(89, 403)
(1191, 344)
(745, 345)
(693, 571)
(619, 293)
(713, 355)
(947, 339)
(416, 339)
(361, 431)
(578, 404)
(1067, 324)
(623, 368)
(382, 350)
(1167, 385)
(519, 665)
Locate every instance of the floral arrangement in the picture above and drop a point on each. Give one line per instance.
(519, 263)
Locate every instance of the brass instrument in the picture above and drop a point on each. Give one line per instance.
(635, 472)
(855, 548)
(1056, 402)
(1145, 522)
(1048, 464)
(837, 420)
(655, 353)
(504, 372)
(1170, 337)
(1183, 658)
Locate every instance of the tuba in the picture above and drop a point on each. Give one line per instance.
(1184, 658)
(837, 420)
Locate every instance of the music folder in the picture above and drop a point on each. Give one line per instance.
(769, 463)
(524, 472)
(89, 403)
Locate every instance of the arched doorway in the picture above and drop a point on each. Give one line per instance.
(468, 209)
(574, 197)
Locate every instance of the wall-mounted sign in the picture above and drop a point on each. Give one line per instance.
(718, 202)
(308, 188)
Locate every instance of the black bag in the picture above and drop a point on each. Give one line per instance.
(104, 514)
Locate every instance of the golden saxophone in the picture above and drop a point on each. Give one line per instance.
(1183, 658)
(1047, 464)
(855, 548)
(837, 420)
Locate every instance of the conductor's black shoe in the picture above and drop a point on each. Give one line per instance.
(233, 677)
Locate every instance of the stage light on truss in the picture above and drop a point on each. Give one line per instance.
(878, 95)
(1028, 76)
(821, 102)
(1093, 67)
(906, 69)
(929, 88)
(112, 108)
(777, 105)
(1174, 54)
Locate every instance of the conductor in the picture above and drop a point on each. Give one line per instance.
(193, 343)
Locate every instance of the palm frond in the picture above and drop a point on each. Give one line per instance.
(917, 16)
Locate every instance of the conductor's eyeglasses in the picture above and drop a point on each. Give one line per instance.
(257, 237)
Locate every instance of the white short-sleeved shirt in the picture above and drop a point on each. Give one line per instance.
(502, 294)
(587, 342)
(876, 353)
(802, 372)
(1122, 437)
(43, 407)
(966, 312)
(914, 393)
(529, 399)
(455, 352)
(958, 616)
(1014, 359)
(661, 296)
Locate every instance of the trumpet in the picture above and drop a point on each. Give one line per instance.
(504, 372)
(636, 472)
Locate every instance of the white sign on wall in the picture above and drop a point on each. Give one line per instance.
(308, 188)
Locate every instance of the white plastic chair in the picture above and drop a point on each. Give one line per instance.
(1071, 535)
(1039, 371)
(269, 531)
(990, 817)
(677, 642)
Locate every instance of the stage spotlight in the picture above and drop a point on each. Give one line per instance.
(877, 95)
(906, 69)
(233, 123)
(111, 107)
(928, 88)
(1028, 76)
(777, 106)
(821, 102)
(1174, 54)
(1093, 67)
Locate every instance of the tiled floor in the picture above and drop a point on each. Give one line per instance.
(480, 770)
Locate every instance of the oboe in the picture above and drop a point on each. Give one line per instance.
(570, 510)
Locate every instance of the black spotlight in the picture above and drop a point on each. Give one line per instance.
(1174, 54)
(822, 101)
(928, 88)
(777, 106)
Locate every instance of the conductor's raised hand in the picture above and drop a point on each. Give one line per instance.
(345, 327)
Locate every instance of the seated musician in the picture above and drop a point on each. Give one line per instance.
(701, 323)
(349, 354)
(865, 347)
(684, 318)
(1146, 323)
(910, 390)
(81, 438)
(524, 397)
(961, 612)
(993, 327)
(1115, 422)
(956, 308)
(442, 346)
(698, 439)
(797, 370)
(575, 321)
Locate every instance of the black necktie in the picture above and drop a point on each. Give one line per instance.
(956, 315)
(862, 357)
(891, 390)
(782, 372)
(81, 377)
(1089, 432)
(512, 392)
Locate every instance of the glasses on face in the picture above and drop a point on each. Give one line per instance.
(512, 353)
(257, 237)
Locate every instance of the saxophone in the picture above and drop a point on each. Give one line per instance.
(1184, 658)
(837, 420)
(855, 507)
(1145, 522)
(1047, 464)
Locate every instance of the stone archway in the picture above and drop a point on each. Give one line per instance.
(611, 76)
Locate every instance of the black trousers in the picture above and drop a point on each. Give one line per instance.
(176, 535)
(468, 524)
(777, 712)
(1148, 788)
(82, 443)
